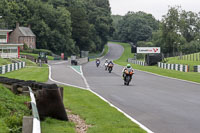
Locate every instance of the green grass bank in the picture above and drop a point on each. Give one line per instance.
(12, 110)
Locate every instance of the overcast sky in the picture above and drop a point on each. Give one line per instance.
(155, 7)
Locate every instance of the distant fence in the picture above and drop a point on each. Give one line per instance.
(142, 63)
(177, 67)
(11, 67)
(197, 68)
(183, 56)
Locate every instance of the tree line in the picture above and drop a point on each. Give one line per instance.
(178, 31)
(66, 26)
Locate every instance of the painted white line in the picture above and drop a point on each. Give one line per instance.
(128, 116)
(50, 78)
(75, 70)
(81, 73)
(169, 77)
(86, 83)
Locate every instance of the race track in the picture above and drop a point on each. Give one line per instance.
(162, 104)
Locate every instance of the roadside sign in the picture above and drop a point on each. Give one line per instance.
(62, 56)
(148, 50)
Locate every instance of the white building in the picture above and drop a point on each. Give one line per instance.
(8, 50)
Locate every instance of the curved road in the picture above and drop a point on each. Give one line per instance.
(162, 104)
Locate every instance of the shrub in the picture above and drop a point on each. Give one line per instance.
(37, 51)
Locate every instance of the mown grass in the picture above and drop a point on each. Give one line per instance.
(50, 125)
(36, 55)
(12, 110)
(98, 114)
(39, 74)
(10, 61)
(190, 76)
(5, 61)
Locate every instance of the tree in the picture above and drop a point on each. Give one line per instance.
(136, 27)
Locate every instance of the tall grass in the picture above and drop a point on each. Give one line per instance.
(12, 110)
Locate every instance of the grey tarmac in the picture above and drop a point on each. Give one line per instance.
(62, 72)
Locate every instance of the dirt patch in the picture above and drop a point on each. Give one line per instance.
(81, 126)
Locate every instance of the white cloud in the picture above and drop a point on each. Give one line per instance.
(155, 7)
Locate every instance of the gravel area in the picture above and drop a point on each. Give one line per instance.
(81, 126)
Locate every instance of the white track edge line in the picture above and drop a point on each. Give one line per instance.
(86, 83)
(62, 82)
(82, 76)
(75, 70)
(128, 116)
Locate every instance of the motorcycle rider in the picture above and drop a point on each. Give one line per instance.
(128, 67)
(97, 62)
(110, 62)
(106, 64)
(110, 66)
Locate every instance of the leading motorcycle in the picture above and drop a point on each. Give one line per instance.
(128, 73)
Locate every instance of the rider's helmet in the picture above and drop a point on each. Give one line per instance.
(128, 65)
(106, 59)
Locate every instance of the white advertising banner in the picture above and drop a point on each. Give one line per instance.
(148, 50)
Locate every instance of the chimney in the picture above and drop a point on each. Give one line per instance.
(17, 25)
(29, 26)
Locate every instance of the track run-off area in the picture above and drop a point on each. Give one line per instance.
(161, 104)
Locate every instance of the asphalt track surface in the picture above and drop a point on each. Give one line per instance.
(62, 72)
(162, 104)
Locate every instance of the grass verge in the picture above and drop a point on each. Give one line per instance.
(5, 61)
(97, 113)
(190, 76)
(50, 125)
(39, 74)
(12, 110)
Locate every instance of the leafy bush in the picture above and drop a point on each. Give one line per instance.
(37, 51)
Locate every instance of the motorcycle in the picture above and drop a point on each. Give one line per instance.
(106, 66)
(128, 76)
(110, 67)
(97, 63)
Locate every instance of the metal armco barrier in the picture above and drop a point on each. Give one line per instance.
(36, 118)
(142, 63)
(177, 67)
(11, 67)
(197, 68)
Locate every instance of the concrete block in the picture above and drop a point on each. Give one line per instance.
(27, 124)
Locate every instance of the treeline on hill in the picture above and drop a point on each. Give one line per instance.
(178, 31)
(66, 26)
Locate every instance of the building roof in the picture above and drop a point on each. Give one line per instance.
(26, 31)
